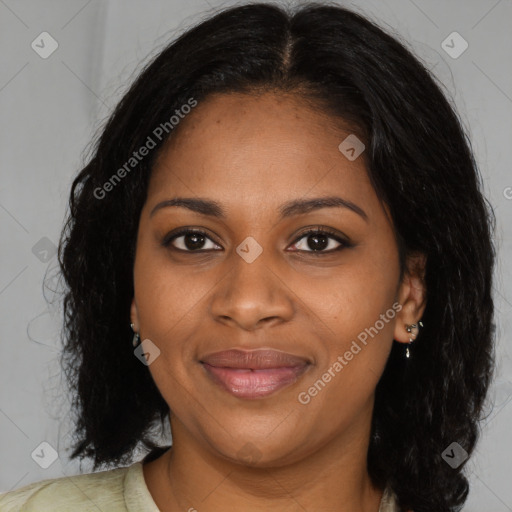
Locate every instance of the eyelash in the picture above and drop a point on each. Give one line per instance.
(344, 244)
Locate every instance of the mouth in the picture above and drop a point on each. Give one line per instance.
(254, 374)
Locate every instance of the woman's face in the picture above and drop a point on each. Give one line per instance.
(325, 306)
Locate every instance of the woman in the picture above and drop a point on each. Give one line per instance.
(285, 211)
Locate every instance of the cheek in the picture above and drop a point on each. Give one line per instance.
(167, 297)
(354, 295)
(350, 363)
(167, 303)
(357, 311)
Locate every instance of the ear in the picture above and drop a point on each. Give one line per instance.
(412, 296)
(134, 316)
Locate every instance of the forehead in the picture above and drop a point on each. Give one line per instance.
(257, 147)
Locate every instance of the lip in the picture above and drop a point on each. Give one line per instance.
(254, 374)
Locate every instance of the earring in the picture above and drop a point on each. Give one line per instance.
(136, 337)
(409, 329)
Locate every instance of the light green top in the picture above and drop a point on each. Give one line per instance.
(116, 490)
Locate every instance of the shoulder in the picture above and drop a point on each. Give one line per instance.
(103, 490)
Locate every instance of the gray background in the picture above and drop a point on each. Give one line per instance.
(50, 109)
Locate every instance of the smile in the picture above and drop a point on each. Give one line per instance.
(254, 374)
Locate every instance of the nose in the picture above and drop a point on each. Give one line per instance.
(252, 295)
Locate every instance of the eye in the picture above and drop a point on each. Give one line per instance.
(189, 240)
(320, 239)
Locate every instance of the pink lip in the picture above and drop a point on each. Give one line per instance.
(254, 374)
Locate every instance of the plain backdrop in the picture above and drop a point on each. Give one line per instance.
(51, 107)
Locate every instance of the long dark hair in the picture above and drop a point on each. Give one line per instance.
(421, 165)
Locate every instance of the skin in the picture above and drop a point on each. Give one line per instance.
(251, 154)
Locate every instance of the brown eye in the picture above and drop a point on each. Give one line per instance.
(320, 241)
(190, 240)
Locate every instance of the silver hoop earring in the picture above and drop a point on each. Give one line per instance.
(409, 329)
(136, 337)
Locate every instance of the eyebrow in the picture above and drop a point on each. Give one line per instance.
(296, 207)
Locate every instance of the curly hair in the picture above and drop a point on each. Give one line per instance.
(421, 165)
